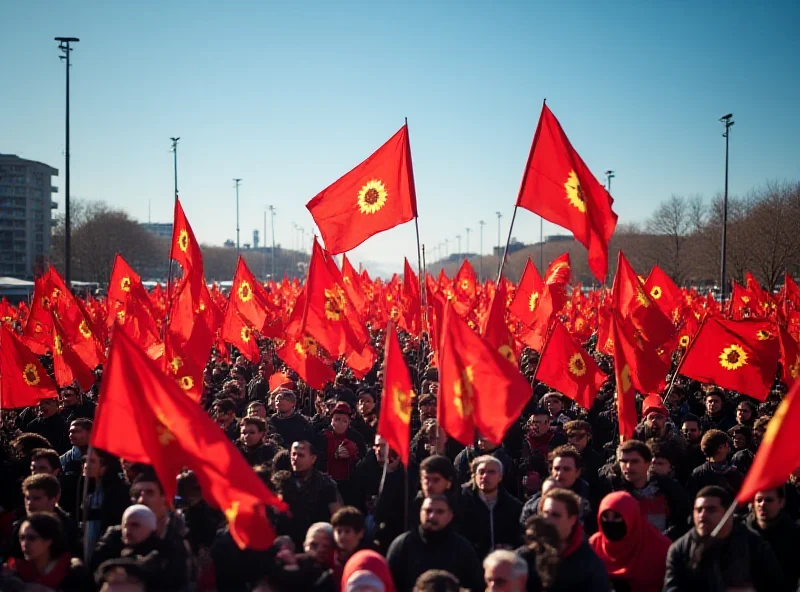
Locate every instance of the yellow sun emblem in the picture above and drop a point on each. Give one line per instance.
(794, 369)
(232, 512)
(121, 316)
(402, 404)
(580, 324)
(334, 303)
(56, 293)
(245, 334)
(684, 341)
(245, 291)
(183, 240)
(642, 297)
(533, 301)
(775, 423)
(575, 192)
(577, 365)
(763, 335)
(306, 347)
(57, 344)
(466, 285)
(30, 375)
(125, 284)
(176, 364)
(625, 378)
(165, 436)
(462, 389)
(609, 345)
(394, 314)
(745, 299)
(655, 292)
(84, 329)
(733, 357)
(186, 383)
(508, 353)
(372, 196)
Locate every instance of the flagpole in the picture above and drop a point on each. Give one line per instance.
(680, 362)
(548, 333)
(541, 244)
(508, 242)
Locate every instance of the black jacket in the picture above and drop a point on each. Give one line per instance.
(727, 476)
(587, 516)
(416, 551)
(464, 460)
(84, 410)
(581, 570)
(292, 429)
(262, 455)
(55, 429)
(741, 560)
(488, 529)
(783, 538)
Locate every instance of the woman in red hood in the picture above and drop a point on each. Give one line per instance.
(367, 571)
(633, 550)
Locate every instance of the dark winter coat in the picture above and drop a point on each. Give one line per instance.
(488, 529)
(783, 537)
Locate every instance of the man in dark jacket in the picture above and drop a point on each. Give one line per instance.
(770, 520)
(489, 515)
(579, 435)
(251, 443)
(716, 470)
(287, 423)
(434, 545)
(49, 424)
(465, 458)
(75, 406)
(579, 567)
(736, 557)
(716, 416)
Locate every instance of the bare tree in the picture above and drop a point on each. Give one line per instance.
(672, 223)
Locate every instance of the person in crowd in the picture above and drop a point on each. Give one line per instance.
(437, 476)
(692, 430)
(348, 536)
(257, 409)
(579, 567)
(46, 461)
(80, 430)
(716, 416)
(663, 458)
(437, 580)
(654, 424)
(483, 446)
(147, 490)
(505, 571)
(633, 551)
(75, 405)
(745, 413)
(341, 451)
(225, 416)
(717, 470)
(554, 404)
(579, 436)
(108, 494)
(734, 558)
(366, 571)
(50, 425)
(539, 438)
(768, 518)
(742, 439)
(252, 444)
(434, 545)
(46, 562)
(489, 515)
(287, 422)
(201, 520)
(319, 496)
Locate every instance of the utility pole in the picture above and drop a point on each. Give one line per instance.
(237, 181)
(727, 120)
(272, 216)
(446, 247)
(468, 231)
(499, 215)
(175, 163)
(481, 224)
(264, 241)
(609, 175)
(458, 238)
(64, 46)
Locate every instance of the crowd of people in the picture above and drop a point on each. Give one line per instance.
(559, 505)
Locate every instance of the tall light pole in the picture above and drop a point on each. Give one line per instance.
(272, 216)
(175, 163)
(264, 242)
(446, 247)
(458, 238)
(481, 224)
(64, 46)
(468, 231)
(237, 181)
(609, 175)
(727, 120)
(499, 215)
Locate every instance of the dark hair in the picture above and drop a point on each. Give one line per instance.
(578, 425)
(48, 526)
(27, 442)
(282, 461)
(260, 424)
(761, 422)
(712, 441)
(724, 496)
(311, 448)
(348, 516)
(187, 484)
(148, 476)
(566, 451)
(440, 465)
(542, 538)
(691, 417)
(440, 498)
(569, 498)
(265, 474)
(225, 405)
(635, 446)
(283, 484)
(437, 580)
(82, 423)
(50, 455)
(750, 404)
(661, 449)
(46, 483)
(715, 393)
(540, 411)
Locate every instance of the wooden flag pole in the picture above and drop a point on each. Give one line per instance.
(508, 242)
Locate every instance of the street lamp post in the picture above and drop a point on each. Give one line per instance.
(481, 224)
(175, 163)
(458, 238)
(727, 120)
(468, 231)
(237, 181)
(609, 175)
(64, 46)
(272, 216)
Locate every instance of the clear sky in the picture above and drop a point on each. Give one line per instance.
(291, 95)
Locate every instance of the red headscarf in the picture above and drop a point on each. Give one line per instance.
(639, 558)
(372, 562)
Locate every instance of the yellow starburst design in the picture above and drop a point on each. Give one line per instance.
(176, 364)
(733, 357)
(763, 335)
(30, 375)
(775, 423)
(232, 512)
(580, 324)
(37, 328)
(642, 297)
(165, 436)
(334, 303)
(121, 316)
(125, 284)
(245, 334)
(577, 365)
(372, 196)
(301, 351)
(794, 369)
(186, 383)
(533, 301)
(402, 404)
(56, 293)
(625, 378)
(462, 389)
(466, 285)
(183, 241)
(684, 341)
(58, 345)
(245, 291)
(745, 299)
(84, 329)
(394, 314)
(655, 292)
(609, 345)
(575, 192)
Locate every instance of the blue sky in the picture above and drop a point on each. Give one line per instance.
(289, 96)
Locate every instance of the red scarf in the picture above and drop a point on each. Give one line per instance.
(640, 557)
(52, 579)
(575, 540)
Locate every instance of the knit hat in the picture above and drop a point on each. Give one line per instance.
(141, 512)
(653, 403)
(342, 407)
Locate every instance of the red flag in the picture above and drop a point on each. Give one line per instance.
(248, 296)
(495, 331)
(779, 452)
(412, 309)
(663, 291)
(394, 423)
(480, 390)
(142, 416)
(125, 284)
(23, 380)
(559, 271)
(184, 248)
(626, 396)
(67, 365)
(559, 186)
(790, 358)
(301, 355)
(740, 356)
(528, 294)
(352, 285)
(237, 331)
(375, 196)
(568, 368)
